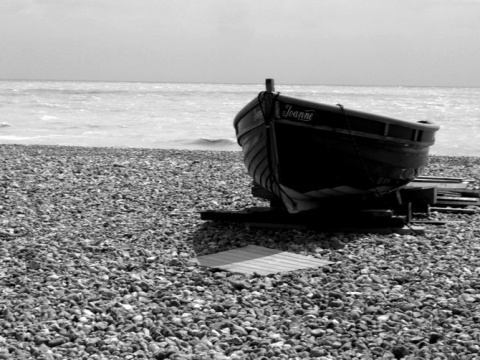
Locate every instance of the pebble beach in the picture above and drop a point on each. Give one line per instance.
(95, 263)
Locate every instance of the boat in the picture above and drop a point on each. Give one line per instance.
(309, 155)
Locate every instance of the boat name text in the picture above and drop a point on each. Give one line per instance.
(290, 112)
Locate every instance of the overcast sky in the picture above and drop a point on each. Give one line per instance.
(337, 42)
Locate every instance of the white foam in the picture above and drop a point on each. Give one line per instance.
(92, 132)
(27, 138)
(48, 118)
(18, 138)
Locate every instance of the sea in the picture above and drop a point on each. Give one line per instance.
(199, 116)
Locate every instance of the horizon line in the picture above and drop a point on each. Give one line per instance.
(229, 83)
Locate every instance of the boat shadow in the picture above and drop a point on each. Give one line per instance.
(212, 237)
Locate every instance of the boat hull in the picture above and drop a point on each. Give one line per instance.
(307, 153)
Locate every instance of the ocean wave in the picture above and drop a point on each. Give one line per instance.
(59, 106)
(5, 124)
(74, 91)
(18, 138)
(48, 118)
(92, 132)
(214, 142)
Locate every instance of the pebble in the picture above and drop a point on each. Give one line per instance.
(56, 342)
(100, 267)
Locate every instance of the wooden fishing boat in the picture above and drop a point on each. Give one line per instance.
(309, 154)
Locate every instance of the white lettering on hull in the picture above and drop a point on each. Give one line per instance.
(290, 112)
